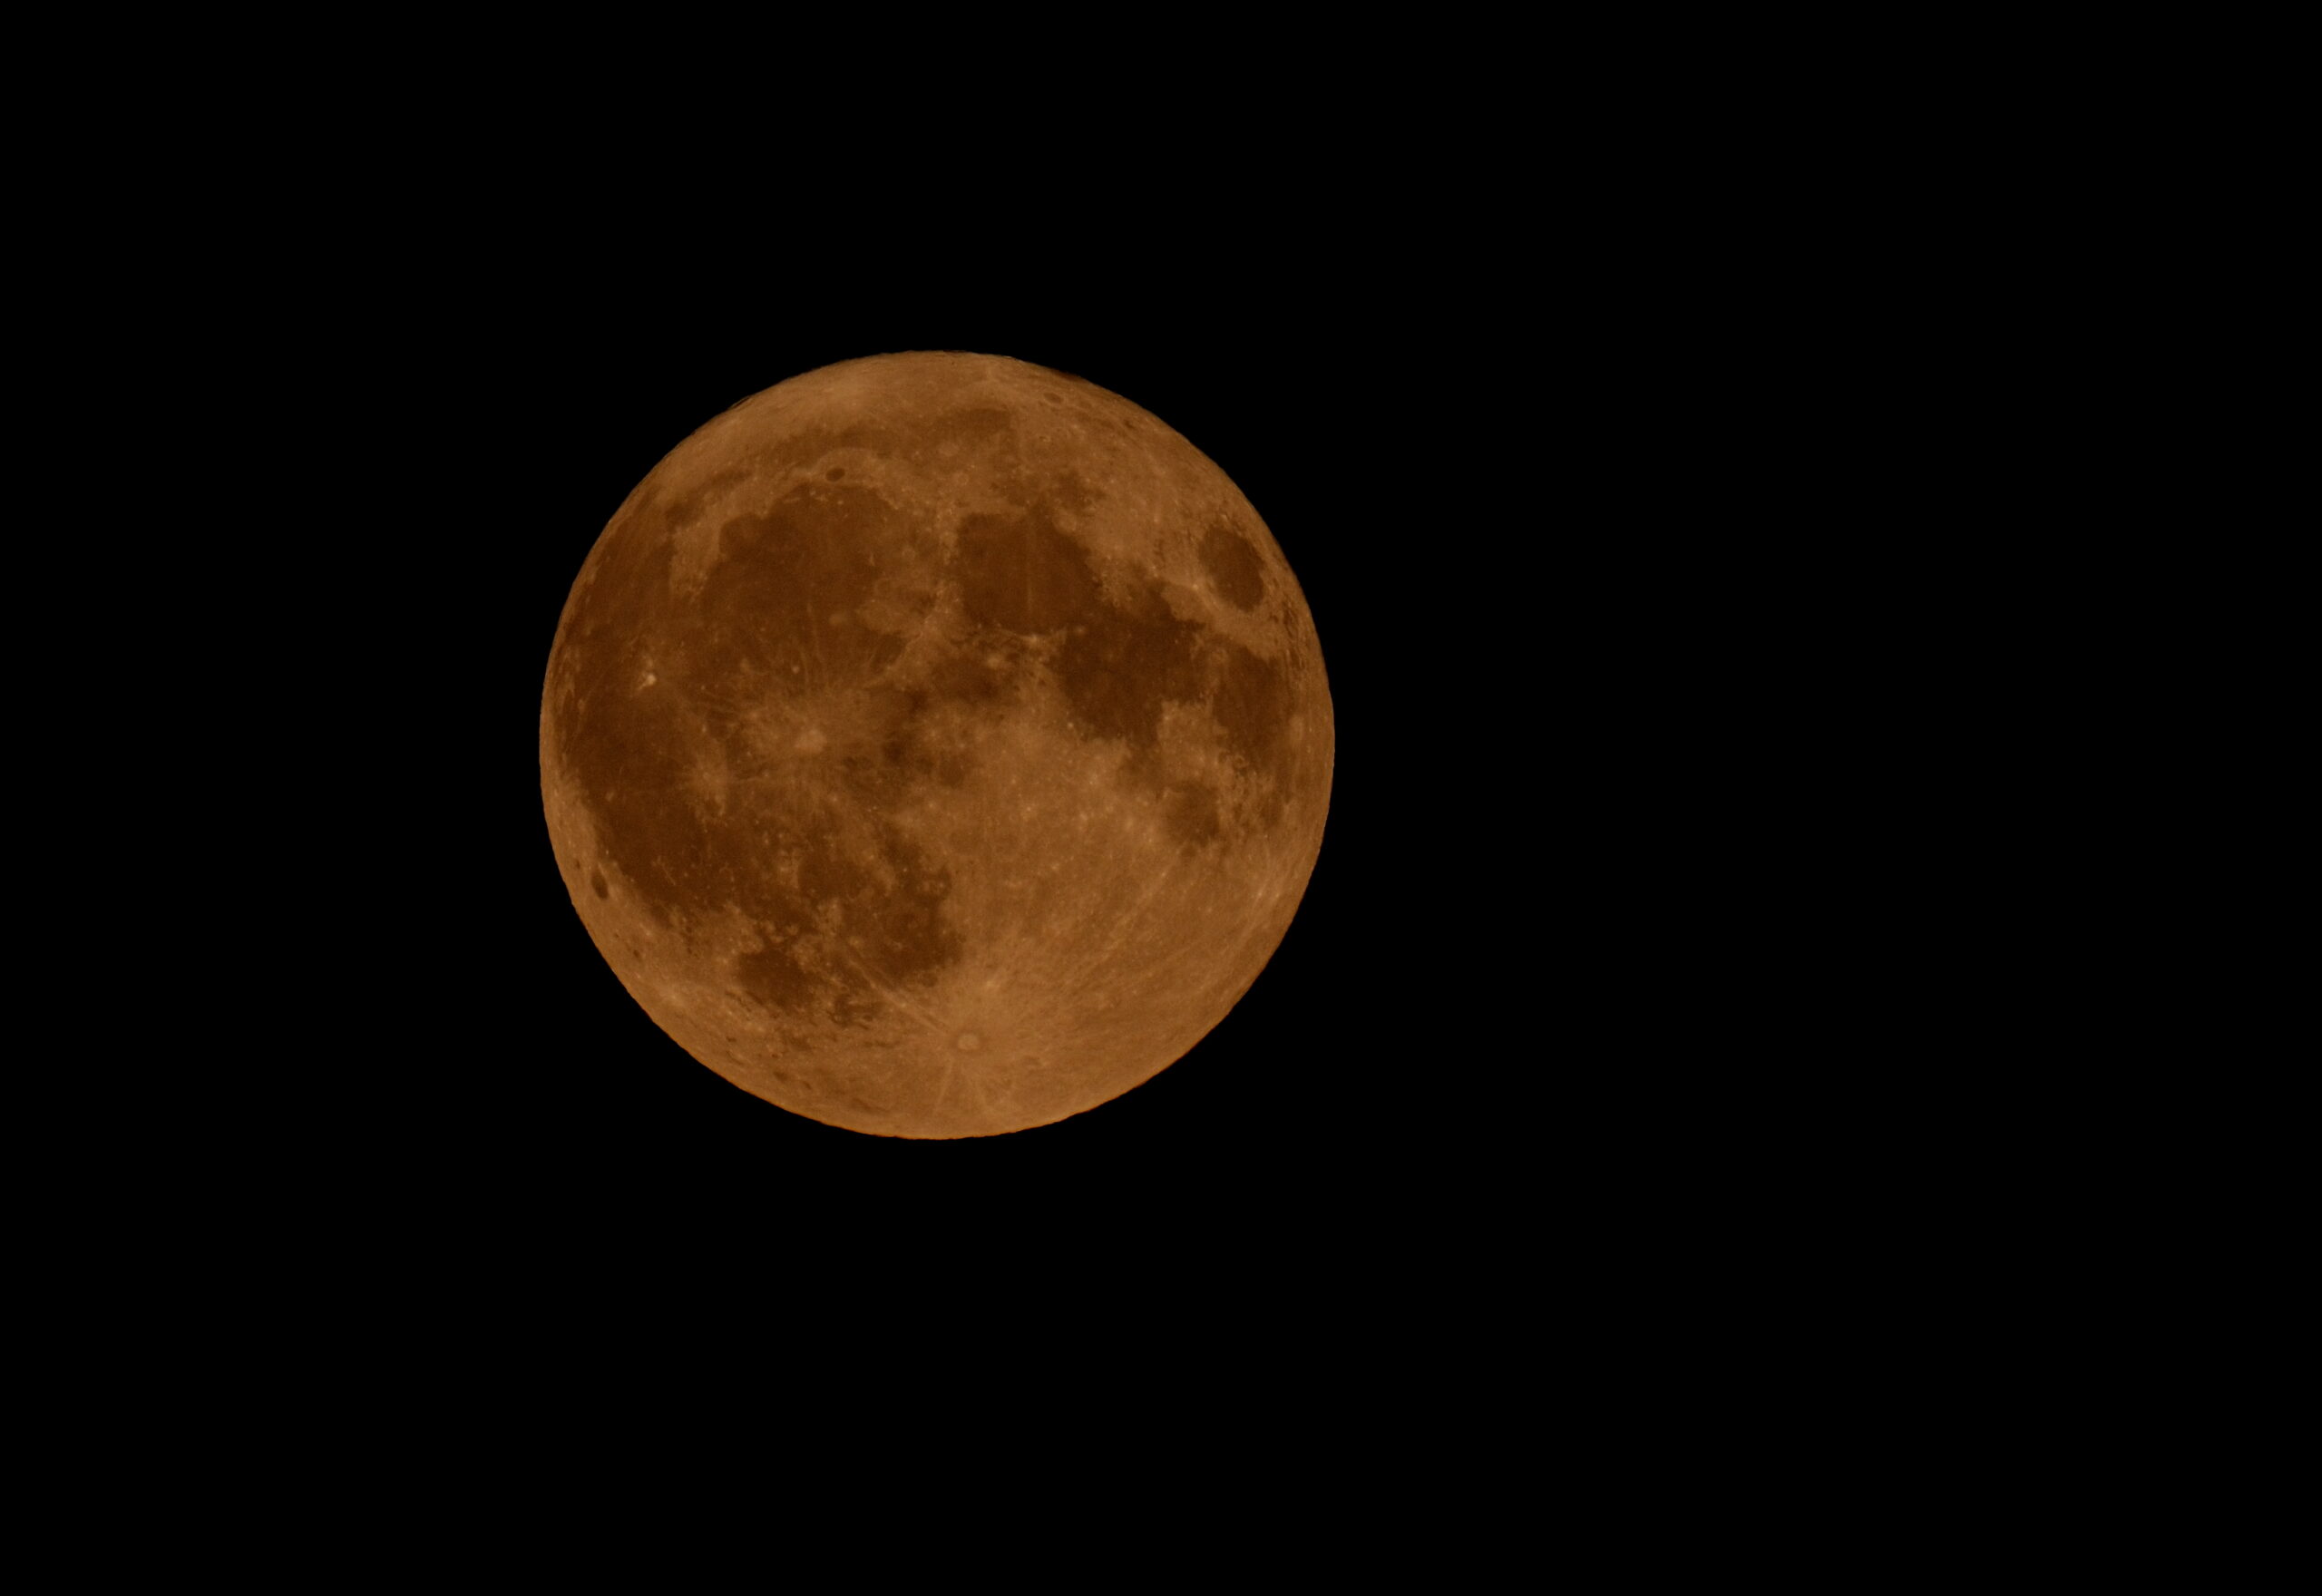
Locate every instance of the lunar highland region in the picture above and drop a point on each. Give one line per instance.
(936, 745)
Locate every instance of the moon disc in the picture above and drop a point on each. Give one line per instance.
(936, 745)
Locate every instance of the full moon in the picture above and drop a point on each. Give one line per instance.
(936, 746)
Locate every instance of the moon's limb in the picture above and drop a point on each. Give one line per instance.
(936, 745)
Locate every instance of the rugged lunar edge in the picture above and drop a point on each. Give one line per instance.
(936, 746)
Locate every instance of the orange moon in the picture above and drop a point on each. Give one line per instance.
(936, 746)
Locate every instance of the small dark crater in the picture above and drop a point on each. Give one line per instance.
(1234, 566)
(597, 883)
(836, 472)
(799, 449)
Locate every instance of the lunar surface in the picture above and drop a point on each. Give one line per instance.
(936, 746)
